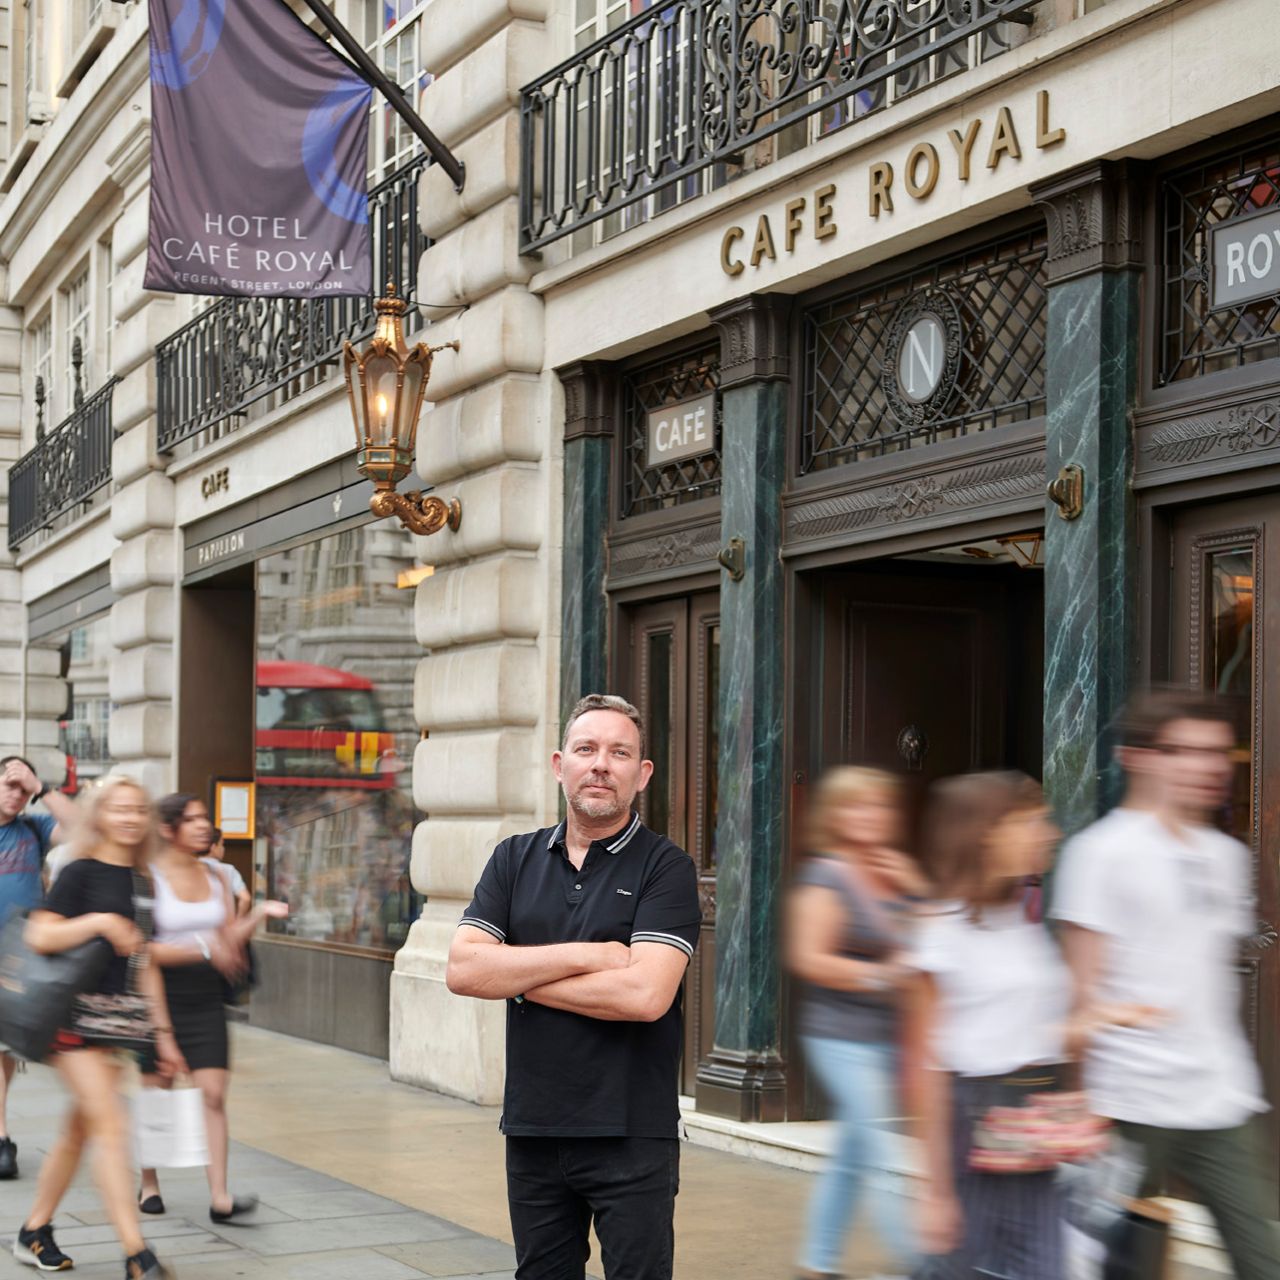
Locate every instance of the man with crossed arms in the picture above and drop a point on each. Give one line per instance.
(585, 929)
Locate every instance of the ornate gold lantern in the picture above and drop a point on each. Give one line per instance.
(387, 384)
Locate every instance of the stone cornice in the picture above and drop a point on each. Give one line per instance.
(590, 388)
(755, 339)
(1094, 219)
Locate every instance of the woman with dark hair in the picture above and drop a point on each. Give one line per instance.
(102, 893)
(847, 930)
(199, 944)
(989, 1015)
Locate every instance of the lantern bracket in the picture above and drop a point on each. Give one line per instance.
(421, 515)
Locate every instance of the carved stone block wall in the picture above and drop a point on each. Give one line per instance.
(485, 689)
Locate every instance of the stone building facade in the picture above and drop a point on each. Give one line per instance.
(903, 394)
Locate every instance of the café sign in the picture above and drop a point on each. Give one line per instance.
(679, 431)
(1246, 259)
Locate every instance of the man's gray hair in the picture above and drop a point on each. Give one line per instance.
(603, 702)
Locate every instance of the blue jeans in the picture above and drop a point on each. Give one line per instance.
(860, 1080)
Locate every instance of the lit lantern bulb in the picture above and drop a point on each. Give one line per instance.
(381, 404)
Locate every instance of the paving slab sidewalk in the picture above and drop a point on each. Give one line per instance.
(367, 1179)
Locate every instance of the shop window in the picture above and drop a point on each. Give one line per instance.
(392, 31)
(944, 350)
(77, 304)
(68, 678)
(334, 738)
(41, 338)
(658, 386)
(1196, 338)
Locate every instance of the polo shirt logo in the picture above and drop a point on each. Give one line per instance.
(626, 893)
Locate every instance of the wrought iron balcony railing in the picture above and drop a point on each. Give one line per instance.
(239, 351)
(691, 84)
(66, 468)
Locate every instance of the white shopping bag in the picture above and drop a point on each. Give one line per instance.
(168, 1129)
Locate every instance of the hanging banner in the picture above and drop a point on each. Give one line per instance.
(258, 149)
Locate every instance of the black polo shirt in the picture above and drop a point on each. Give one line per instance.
(569, 1075)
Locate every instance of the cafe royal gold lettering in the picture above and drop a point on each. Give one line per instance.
(762, 246)
(920, 177)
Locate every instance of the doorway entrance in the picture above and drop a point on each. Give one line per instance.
(926, 667)
(1220, 621)
(670, 669)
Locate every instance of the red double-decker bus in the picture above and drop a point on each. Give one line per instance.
(320, 727)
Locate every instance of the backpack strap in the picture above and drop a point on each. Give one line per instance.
(37, 832)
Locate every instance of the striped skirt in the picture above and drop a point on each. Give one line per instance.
(1013, 1222)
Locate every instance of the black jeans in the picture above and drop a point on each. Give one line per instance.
(556, 1186)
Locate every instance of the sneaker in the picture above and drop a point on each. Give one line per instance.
(37, 1249)
(8, 1158)
(146, 1266)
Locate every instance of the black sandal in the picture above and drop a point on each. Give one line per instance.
(152, 1204)
(240, 1205)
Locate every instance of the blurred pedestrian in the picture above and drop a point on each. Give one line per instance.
(1156, 901)
(216, 858)
(987, 1027)
(586, 929)
(102, 893)
(25, 840)
(200, 947)
(846, 933)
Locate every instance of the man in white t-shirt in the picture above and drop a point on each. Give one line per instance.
(1155, 902)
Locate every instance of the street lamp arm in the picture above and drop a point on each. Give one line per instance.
(419, 515)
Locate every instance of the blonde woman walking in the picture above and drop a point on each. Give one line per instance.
(847, 927)
(103, 892)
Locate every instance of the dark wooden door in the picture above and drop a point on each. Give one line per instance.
(672, 673)
(929, 673)
(1223, 618)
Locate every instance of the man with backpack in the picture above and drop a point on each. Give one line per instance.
(25, 839)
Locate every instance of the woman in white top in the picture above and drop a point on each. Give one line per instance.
(993, 1000)
(199, 943)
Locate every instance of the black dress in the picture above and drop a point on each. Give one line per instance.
(194, 991)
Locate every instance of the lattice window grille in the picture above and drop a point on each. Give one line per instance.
(998, 290)
(1195, 339)
(656, 386)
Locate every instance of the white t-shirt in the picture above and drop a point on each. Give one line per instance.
(1173, 910)
(1004, 990)
(235, 881)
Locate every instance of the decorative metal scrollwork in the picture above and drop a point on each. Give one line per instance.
(689, 84)
(935, 310)
(68, 465)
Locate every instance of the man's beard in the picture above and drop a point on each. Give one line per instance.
(597, 807)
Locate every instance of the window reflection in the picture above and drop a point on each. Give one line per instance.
(1230, 656)
(334, 736)
(68, 675)
(658, 732)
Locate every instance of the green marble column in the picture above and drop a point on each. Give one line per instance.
(1094, 261)
(743, 1075)
(588, 440)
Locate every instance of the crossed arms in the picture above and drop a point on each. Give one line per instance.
(606, 980)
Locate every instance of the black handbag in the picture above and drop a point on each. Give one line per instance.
(38, 992)
(124, 1021)
(1138, 1244)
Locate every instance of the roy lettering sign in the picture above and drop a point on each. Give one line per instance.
(679, 431)
(1246, 259)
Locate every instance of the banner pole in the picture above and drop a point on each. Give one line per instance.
(389, 90)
